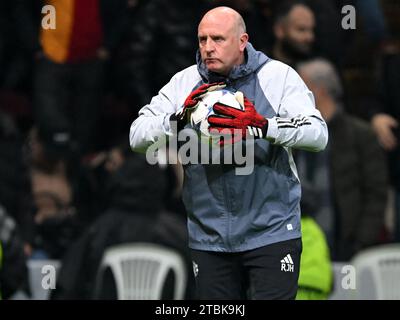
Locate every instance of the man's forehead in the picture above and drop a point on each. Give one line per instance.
(301, 14)
(215, 26)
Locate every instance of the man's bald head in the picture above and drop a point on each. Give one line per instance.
(322, 73)
(222, 39)
(226, 15)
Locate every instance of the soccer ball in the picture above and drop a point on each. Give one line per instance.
(198, 117)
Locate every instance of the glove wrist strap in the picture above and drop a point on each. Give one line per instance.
(258, 132)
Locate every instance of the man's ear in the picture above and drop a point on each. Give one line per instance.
(244, 38)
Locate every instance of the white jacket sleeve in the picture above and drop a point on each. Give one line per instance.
(153, 121)
(298, 123)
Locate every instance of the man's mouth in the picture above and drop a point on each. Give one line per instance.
(210, 60)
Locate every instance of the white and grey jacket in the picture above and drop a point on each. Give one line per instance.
(229, 212)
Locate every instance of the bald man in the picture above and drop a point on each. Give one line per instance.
(244, 230)
(222, 40)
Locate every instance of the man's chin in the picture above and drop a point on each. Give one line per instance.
(297, 51)
(214, 67)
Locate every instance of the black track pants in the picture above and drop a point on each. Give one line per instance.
(269, 272)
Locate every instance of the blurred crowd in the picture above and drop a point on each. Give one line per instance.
(70, 185)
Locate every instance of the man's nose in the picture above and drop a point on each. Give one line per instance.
(209, 45)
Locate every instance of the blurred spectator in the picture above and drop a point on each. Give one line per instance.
(350, 174)
(134, 213)
(385, 120)
(70, 63)
(13, 270)
(160, 41)
(61, 194)
(316, 276)
(307, 28)
(15, 188)
(294, 25)
(330, 35)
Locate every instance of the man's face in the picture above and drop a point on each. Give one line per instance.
(298, 31)
(221, 44)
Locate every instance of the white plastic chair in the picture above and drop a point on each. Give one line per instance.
(378, 273)
(140, 271)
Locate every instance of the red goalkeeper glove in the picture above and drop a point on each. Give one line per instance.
(194, 98)
(237, 122)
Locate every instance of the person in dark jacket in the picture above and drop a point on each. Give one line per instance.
(134, 213)
(61, 192)
(350, 175)
(71, 62)
(15, 184)
(385, 120)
